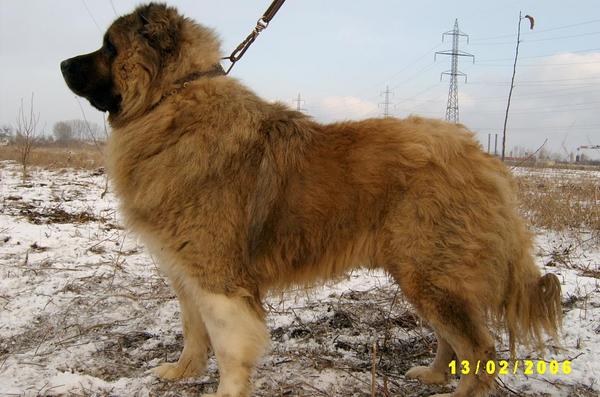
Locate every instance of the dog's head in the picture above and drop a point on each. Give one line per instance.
(143, 54)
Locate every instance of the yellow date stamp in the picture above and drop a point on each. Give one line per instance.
(503, 367)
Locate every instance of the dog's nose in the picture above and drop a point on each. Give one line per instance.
(64, 65)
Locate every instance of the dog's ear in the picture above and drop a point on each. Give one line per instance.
(161, 27)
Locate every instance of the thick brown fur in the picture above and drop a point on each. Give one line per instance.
(238, 196)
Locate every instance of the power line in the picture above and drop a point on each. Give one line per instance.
(564, 27)
(405, 68)
(555, 127)
(562, 37)
(537, 40)
(418, 73)
(541, 94)
(549, 109)
(545, 128)
(527, 110)
(91, 15)
(512, 35)
(412, 77)
(539, 56)
(419, 93)
(555, 80)
(534, 65)
(563, 53)
(493, 43)
(504, 36)
(113, 7)
(538, 83)
(569, 105)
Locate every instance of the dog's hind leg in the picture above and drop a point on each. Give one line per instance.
(437, 372)
(193, 358)
(455, 310)
(464, 327)
(238, 335)
(474, 347)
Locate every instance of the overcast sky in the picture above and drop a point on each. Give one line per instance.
(340, 55)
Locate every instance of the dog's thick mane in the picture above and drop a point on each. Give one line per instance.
(174, 48)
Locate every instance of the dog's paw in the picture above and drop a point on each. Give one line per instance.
(428, 376)
(441, 395)
(173, 371)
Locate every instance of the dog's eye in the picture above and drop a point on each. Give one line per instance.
(109, 47)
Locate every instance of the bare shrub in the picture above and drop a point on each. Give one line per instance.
(26, 134)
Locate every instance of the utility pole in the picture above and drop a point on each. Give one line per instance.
(452, 106)
(512, 81)
(386, 102)
(495, 144)
(299, 101)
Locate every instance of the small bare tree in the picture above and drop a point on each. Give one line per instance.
(26, 133)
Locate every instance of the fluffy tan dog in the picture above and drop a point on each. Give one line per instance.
(238, 196)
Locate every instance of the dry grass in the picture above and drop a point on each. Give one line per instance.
(561, 202)
(82, 157)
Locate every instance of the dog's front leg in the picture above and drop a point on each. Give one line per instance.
(238, 335)
(193, 358)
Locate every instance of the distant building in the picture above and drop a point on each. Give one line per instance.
(5, 139)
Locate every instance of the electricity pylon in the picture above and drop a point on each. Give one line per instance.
(299, 101)
(452, 113)
(386, 102)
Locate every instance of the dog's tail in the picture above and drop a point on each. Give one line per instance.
(532, 305)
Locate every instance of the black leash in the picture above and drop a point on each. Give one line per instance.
(261, 25)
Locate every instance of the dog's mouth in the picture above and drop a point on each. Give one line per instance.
(83, 78)
(108, 104)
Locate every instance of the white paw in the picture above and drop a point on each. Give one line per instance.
(426, 375)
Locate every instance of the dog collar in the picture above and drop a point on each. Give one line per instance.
(216, 71)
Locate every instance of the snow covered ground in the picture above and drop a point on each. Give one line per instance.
(84, 311)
